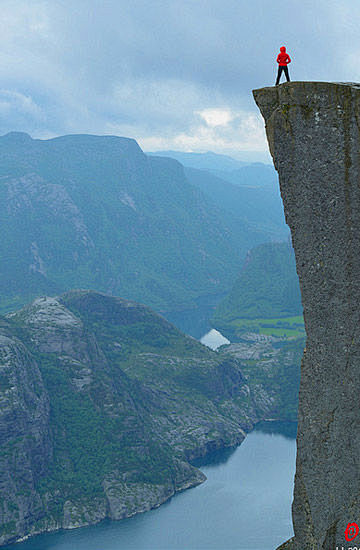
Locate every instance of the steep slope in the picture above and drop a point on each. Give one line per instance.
(313, 135)
(267, 287)
(247, 191)
(254, 175)
(95, 212)
(104, 404)
(271, 367)
(25, 443)
(254, 200)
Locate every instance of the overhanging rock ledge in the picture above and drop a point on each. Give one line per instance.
(313, 134)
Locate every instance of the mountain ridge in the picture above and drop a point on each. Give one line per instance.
(95, 204)
(107, 403)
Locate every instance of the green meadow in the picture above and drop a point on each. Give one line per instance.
(282, 327)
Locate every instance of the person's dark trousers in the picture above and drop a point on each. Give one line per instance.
(280, 70)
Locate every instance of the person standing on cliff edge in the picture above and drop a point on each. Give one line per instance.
(283, 59)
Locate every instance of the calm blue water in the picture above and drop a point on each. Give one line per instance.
(214, 339)
(244, 505)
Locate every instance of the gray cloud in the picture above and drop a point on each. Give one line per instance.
(147, 69)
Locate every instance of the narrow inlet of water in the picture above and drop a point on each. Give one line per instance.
(245, 504)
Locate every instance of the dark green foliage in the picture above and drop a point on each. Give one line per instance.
(266, 300)
(135, 327)
(130, 395)
(110, 424)
(267, 287)
(81, 434)
(283, 379)
(283, 327)
(8, 528)
(89, 444)
(4, 382)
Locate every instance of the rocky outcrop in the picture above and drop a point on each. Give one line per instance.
(25, 442)
(271, 366)
(103, 403)
(313, 134)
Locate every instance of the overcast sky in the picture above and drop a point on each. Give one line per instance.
(173, 74)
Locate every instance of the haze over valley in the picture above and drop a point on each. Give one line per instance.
(159, 354)
(96, 213)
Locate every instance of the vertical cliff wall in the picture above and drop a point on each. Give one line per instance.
(313, 134)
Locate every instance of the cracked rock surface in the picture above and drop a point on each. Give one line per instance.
(313, 134)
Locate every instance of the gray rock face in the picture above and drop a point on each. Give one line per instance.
(103, 403)
(313, 135)
(25, 442)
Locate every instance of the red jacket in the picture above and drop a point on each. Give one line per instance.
(283, 58)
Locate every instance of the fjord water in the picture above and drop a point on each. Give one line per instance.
(244, 505)
(214, 339)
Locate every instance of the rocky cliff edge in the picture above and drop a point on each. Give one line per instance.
(313, 134)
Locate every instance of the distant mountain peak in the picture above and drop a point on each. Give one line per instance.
(204, 161)
(17, 137)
